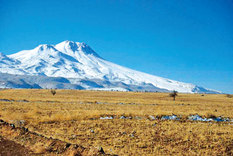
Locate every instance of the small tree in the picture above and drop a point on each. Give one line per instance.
(173, 94)
(53, 91)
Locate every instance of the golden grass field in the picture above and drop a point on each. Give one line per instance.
(73, 116)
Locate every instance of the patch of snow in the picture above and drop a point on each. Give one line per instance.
(106, 117)
(172, 117)
(199, 118)
(195, 118)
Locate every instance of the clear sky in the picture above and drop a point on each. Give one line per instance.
(184, 40)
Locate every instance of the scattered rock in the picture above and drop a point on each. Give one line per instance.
(1, 121)
(131, 103)
(22, 100)
(13, 126)
(19, 123)
(101, 150)
(92, 118)
(73, 136)
(172, 117)
(151, 117)
(25, 129)
(68, 145)
(122, 117)
(138, 118)
(5, 100)
(54, 146)
(131, 135)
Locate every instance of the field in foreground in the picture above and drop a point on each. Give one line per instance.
(74, 117)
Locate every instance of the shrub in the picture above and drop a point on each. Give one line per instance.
(229, 95)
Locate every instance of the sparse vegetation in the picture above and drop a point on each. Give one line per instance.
(74, 117)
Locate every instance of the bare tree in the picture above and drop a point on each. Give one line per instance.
(53, 91)
(173, 94)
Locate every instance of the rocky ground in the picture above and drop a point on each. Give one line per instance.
(17, 141)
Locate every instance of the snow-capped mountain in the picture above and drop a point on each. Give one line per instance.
(80, 67)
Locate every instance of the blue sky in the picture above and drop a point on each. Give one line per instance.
(184, 40)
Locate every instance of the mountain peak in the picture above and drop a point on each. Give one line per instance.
(45, 47)
(72, 46)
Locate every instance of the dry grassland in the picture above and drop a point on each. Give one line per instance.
(73, 116)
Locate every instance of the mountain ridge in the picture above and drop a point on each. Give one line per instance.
(76, 60)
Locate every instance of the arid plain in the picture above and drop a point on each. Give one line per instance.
(121, 123)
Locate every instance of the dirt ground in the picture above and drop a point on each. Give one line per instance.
(10, 148)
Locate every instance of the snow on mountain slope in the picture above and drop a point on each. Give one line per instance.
(74, 60)
(10, 65)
